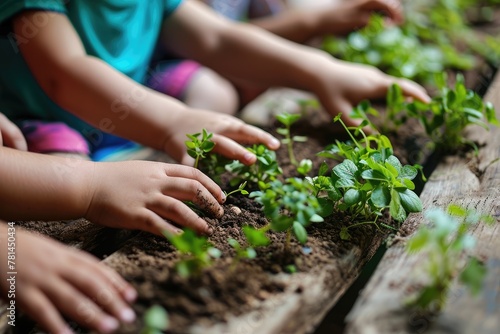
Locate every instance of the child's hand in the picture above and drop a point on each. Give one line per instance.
(228, 132)
(54, 280)
(350, 15)
(141, 194)
(348, 84)
(10, 135)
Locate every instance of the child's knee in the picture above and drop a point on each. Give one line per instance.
(208, 90)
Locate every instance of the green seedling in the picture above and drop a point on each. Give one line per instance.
(198, 253)
(241, 190)
(290, 207)
(447, 244)
(264, 170)
(198, 148)
(255, 238)
(288, 120)
(156, 320)
(448, 114)
(304, 167)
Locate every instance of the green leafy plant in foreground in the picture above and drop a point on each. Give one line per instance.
(446, 243)
(198, 252)
(369, 180)
(198, 148)
(156, 320)
(288, 120)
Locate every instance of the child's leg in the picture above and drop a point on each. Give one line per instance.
(54, 138)
(195, 85)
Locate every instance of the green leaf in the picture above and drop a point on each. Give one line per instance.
(300, 232)
(156, 317)
(396, 210)
(352, 196)
(347, 170)
(457, 210)
(381, 196)
(323, 169)
(473, 275)
(410, 201)
(344, 233)
(419, 240)
(371, 174)
(234, 243)
(256, 238)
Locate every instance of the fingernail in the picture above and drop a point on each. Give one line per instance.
(248, 157)
(127, 315)
(210, 231)
(223, 196)
(108, 325)
(130, 295)
(65, 331)
(275, 143)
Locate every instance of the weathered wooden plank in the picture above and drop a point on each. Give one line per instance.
(473, 183)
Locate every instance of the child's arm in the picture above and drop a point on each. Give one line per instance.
(246, 53)
(10, 135)
(339, 18)
(132, 194)
(88, 87)
(53, 281)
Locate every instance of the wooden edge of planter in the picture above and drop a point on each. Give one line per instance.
(381, 306)
(299, 308)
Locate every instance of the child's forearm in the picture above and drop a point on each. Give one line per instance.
(90, 88)
(36, 186)
(242, 51)
(294, 25)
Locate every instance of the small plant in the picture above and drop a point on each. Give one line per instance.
(290, 207)
(156, 320)
(288, 120)
(198, 148)
(395, 50)
(241, 190)
(255, 238)
(446, 243)
(264, 170)
(197, 252)
(451, 112)
(304, 167)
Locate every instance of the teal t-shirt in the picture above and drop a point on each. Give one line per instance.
(123, 33)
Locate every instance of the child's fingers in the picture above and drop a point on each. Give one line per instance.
(111, 276)
(192, 190)
(196, 174)
(10, 135)
(91, 282)
(392, 8)
(413, 90)
(245, 133)
(232, 150)
(78, 307)
(151, 222)
(43, 312)
(178, 212)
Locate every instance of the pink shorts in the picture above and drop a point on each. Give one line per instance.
(172, 77)
(47, 137)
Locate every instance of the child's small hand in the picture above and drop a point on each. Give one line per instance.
(10, 135)
(350, 15)
(348, 84)
(54, 280)
(228, 132)
(141, 195)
